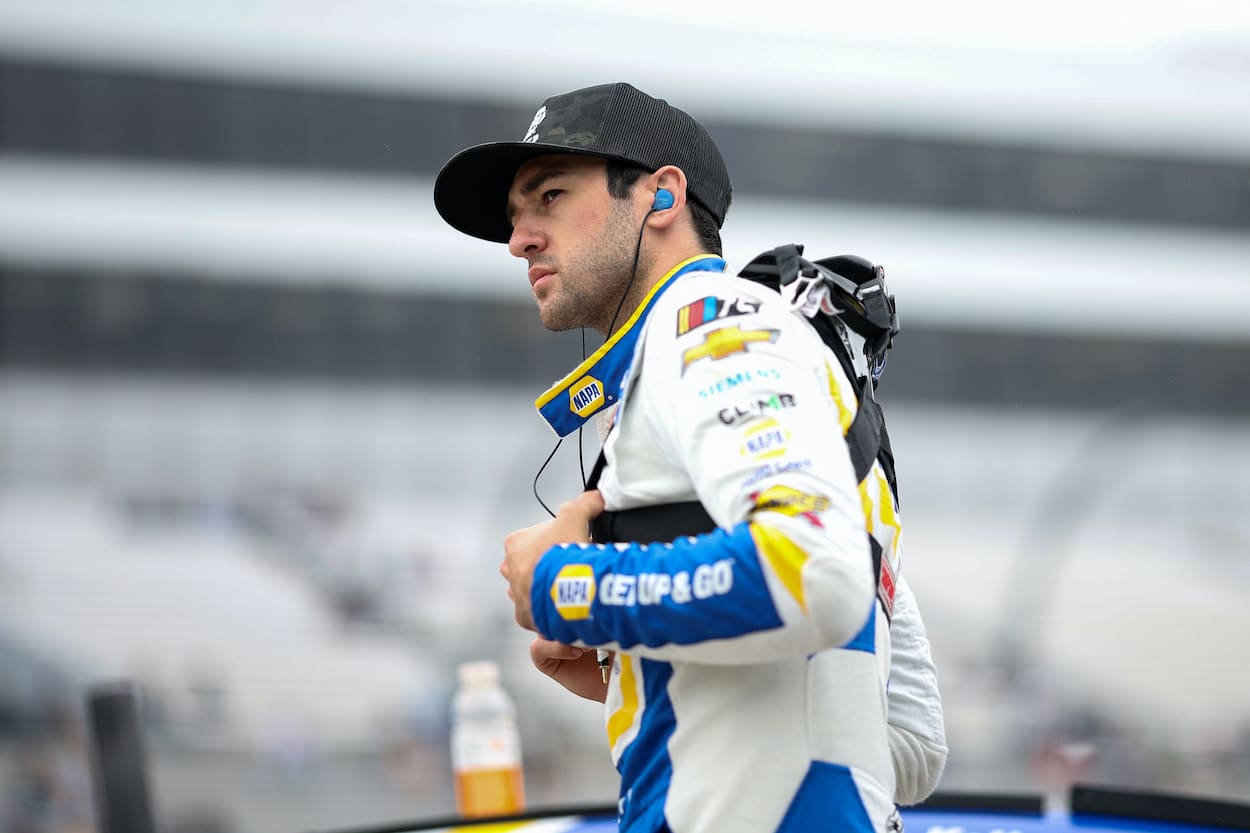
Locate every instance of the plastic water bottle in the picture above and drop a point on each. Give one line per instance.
(485, 744)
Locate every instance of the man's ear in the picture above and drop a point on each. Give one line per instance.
(673, 180)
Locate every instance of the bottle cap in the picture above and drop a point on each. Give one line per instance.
(477, 672)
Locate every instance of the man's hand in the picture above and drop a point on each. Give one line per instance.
(524, 547)
(577, 669)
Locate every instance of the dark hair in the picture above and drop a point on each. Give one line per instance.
(705, 227)
(623, 176)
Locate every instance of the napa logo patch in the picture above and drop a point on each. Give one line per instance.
(586, 396)
(724, 342)
(711, 308)
(764, 441)
(574, 591)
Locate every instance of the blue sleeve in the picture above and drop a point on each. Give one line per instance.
(698, 588)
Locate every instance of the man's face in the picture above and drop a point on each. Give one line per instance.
(578, 240)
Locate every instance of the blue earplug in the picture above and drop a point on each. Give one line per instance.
(663, 200)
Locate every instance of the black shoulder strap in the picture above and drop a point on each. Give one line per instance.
(596, 471)
(864, 437)
(868, 440)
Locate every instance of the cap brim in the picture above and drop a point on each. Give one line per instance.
(471, 191)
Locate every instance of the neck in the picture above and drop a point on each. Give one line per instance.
(651, 270)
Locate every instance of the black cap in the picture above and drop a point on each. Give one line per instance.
(613, 121)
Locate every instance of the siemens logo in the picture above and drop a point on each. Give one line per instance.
(744, 377)
(705, 582)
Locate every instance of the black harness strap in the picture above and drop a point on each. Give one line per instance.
(661, 523)
(664, 523)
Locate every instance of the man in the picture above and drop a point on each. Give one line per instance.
(748, 691)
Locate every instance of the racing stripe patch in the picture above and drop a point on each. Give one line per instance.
(711, 308)
(784, 556)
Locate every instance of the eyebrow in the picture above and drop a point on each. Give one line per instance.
(533, 184)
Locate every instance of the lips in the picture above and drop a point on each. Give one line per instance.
(537, 273)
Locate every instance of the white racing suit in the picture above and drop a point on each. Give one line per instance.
(749, 691)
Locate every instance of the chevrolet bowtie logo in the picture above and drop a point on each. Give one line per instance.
(725, 341)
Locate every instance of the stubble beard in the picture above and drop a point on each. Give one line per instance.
(592, 279)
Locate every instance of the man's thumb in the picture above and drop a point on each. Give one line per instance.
(590, 502)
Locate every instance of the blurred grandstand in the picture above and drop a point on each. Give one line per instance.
(264, 420)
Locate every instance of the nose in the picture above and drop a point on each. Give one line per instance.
(526, 239)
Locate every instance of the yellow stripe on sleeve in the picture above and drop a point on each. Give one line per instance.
(623, 718)
(784, 556)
